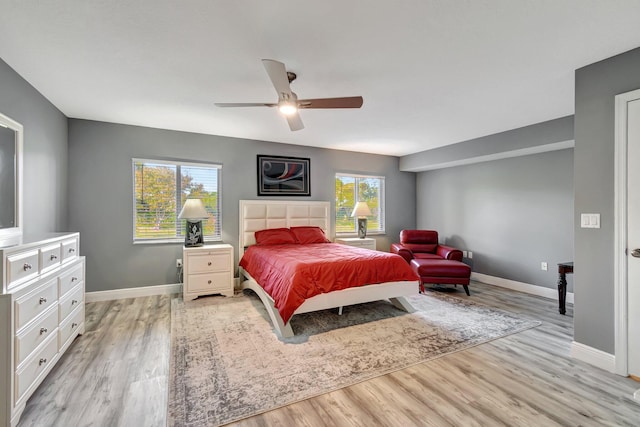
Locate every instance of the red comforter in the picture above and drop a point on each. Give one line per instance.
(292, 273)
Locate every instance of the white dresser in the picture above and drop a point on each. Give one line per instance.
(367, 242)
(208, 270)
(41, 312)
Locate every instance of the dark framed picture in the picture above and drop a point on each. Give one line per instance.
(283, 176)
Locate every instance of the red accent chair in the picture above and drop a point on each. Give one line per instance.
(433, 262)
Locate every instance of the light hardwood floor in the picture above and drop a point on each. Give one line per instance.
(116, 374)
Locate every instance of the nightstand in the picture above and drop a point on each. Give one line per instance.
(367, 242)
(208, 270)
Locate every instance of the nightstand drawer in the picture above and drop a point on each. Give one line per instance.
(210, 281)
(209, 262)
(366, 243)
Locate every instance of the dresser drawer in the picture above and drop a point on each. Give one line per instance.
(70, 327)
(210, 281)
(69, 250)
(70, 279)
(70, 302)
(212, 261)
(21, 267)
(35, 366)
(50, 257)
(36, 334)
(34, 303)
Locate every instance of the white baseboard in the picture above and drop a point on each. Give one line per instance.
(133, 292)
(145, 291)
(593, 356)
(520, 286)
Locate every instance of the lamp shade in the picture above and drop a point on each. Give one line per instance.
(361, 210)
(193, 209)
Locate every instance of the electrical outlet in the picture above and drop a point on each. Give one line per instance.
(464, 254)
(179, 262)
(543, 266)
(470, 254)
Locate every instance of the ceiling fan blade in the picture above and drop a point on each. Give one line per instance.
(295, 122)
(278, 75)
(346, 102)
(243, 104)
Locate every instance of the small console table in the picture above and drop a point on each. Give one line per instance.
(563, 269)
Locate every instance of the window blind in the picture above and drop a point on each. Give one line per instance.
(160, 190)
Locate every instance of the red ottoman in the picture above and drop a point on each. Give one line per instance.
(442, 271)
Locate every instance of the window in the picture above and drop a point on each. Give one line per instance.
(160, 188)
(352, 188)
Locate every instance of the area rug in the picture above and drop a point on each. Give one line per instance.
(228, 364)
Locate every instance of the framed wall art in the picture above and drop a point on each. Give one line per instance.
(283, 176)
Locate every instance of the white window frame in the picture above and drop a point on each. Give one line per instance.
(180, 226)
(381, 205)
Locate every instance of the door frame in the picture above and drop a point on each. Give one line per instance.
(620, 231)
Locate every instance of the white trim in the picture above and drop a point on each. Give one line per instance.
(593, 356)
(173, 162)
(620, 232)
(520, 286)
(556, 146)
(11, 235)
(144, 291)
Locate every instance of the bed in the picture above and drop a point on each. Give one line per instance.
(260, 215)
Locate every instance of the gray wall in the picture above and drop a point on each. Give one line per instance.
(596, 87)
(512, 213)
(100, 180)
(45, 152)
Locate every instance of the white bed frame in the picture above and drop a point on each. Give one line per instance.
(258, 215)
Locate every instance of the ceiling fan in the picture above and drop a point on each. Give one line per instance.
(288, 102)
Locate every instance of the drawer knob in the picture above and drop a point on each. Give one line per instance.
(43, 300)
(43, 331)
(71, 250)
(74, 301)
(209, 282)
(42, 361)
(27, 266)
(73, 279)
(73, 325)
(53, 257)
(209, 263)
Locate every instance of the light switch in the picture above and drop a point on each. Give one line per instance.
(589, 220)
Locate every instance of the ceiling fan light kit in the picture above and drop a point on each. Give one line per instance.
(287, 108)
(288, 103)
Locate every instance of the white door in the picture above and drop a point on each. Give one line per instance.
(633, 235)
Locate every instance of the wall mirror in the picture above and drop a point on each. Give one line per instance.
(11, 135)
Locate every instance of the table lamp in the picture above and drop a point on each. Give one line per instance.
(362, 211)
(193, 212)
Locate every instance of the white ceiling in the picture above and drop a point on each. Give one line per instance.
(432, 73)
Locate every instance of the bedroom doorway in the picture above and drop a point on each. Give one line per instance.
(627, 282)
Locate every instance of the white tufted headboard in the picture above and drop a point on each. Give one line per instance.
(258, 215)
